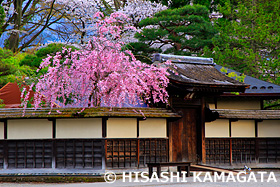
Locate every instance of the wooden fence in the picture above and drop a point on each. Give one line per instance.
(242, 150)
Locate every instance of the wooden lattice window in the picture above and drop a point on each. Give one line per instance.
(153, 150)
(217, 151)
(79, 153)
(269, 150)
(122, 153)
(29, 154)
(243, 150)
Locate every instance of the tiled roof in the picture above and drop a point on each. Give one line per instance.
(198, 72)
(256, 85)
(247, 114)
(9, 113)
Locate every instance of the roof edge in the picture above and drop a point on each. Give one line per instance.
(183, 59)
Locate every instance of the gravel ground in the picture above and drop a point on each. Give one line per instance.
(190, 182)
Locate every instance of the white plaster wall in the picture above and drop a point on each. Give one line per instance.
(269, 128)
(29, 129)
(79, 128)
(217, 128)
(211, 105)
(243, 128)
(122, 128)
(152, 128)
(239, 103)
(1, 130)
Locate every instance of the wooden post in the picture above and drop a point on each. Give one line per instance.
(54, 153)
(170, 141)
(138, 153)
(5, 129)
(256, 128)
(5, 146)
(256, 142)
(104, 155)
(203, 148)
(216, 103)
(104, 144)
(230, 151)
(104, 127)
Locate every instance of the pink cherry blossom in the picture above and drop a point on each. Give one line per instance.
(101, 74)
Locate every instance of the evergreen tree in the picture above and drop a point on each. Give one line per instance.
(181, 31)
(249, 38)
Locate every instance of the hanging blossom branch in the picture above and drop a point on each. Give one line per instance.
(102, 74)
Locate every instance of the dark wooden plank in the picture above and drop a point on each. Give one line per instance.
(83, 154)
(43, 155)
(5, 129)
(53, 128)
(74, 154)
(25, 155)
(16, 155)
(6, 154)
(104, 127)
(92, 153)
(137, 127)
(54, 163)
(64, 151)
(256, 128)
(138, 153)
(34, 155)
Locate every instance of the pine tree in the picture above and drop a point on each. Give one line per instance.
(181, 31)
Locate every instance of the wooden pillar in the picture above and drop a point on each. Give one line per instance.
(104, 127)
(54, 145)
(256, 128)
(138, 145)
(230, 143)
(54, 153)
(5, 146)
(104, 154)
(104, 143)
(138, 153)
(202, 147)
(169, 135)
(230, 151)
(256, 141)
